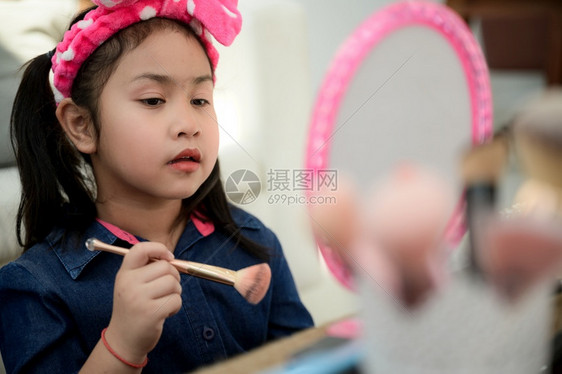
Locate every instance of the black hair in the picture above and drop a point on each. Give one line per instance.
(57, 189)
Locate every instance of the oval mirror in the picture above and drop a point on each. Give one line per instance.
(410, 83)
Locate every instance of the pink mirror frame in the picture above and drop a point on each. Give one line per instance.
(348, 59)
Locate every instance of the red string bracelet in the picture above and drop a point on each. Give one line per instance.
(136, 366)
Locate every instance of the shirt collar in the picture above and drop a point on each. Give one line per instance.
(76, 257)
(73, 254)
(204, 227)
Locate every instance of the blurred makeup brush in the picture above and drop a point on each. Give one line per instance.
(481, 167)
(251, 282)
(407, 216)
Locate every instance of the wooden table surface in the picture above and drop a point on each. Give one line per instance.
(268, 356)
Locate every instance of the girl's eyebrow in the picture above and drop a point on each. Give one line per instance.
(167, 80)
(202, 79)
(158, 78)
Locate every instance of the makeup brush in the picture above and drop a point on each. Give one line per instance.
(251, 282)
(481, 167)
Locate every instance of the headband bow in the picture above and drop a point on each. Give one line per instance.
(219, 18)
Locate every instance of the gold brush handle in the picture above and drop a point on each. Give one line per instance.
(210, 272)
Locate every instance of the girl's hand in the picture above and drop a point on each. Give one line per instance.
(146, 293)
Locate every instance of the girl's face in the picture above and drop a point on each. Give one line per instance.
(158, 131)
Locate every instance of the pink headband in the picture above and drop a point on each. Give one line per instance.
(220, 18)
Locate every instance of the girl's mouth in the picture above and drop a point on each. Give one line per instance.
(187, 161)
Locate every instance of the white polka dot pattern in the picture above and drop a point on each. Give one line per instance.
(85, 23)
(68, 55)
(190, 7)
(147, 13)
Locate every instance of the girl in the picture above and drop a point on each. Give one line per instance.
(124, 149)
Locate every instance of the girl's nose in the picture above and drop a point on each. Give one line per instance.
(187, 133)
(186, 121)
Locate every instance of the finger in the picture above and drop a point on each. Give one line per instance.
(163, 286)
(143, 253)
(154, 270)
(168, 305)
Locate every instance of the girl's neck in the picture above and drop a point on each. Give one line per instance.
(160, 223)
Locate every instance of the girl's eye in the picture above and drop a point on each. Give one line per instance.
(199, 102)
(153, 101)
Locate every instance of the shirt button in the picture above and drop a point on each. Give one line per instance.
(208, 333)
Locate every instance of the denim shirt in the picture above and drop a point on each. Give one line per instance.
(55, 301)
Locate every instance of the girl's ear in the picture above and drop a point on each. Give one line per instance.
(78, 125)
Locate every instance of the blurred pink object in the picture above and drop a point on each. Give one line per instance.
(396, 238)
(406, 220)
(519, 253)
(349, 328)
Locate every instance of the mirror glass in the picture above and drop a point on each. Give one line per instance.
(407, 101)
